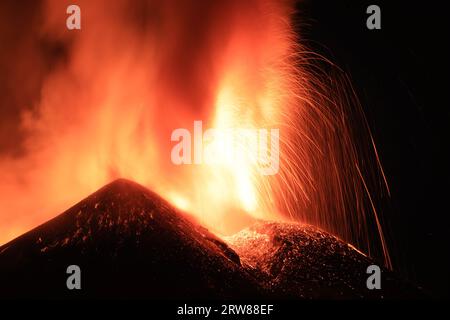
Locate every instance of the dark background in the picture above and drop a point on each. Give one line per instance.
(400, 76)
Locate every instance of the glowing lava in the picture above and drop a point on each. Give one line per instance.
(141, 69)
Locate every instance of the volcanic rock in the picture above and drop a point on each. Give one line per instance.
(300, 261)
(130, 243)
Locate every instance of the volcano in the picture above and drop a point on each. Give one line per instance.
(128, 242)
(131, 243)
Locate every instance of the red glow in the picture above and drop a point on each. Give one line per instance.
(133, 75)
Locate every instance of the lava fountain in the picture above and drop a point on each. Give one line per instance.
(138, 70)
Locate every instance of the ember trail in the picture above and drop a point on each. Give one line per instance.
(107, 109)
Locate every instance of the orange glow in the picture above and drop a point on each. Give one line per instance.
(134, 74)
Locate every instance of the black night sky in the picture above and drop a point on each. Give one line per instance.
(400, 75)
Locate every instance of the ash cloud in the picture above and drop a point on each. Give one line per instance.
(80, 108)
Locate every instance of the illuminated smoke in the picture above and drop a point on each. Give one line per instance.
(140, 69)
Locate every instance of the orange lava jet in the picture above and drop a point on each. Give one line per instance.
(138, 70)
